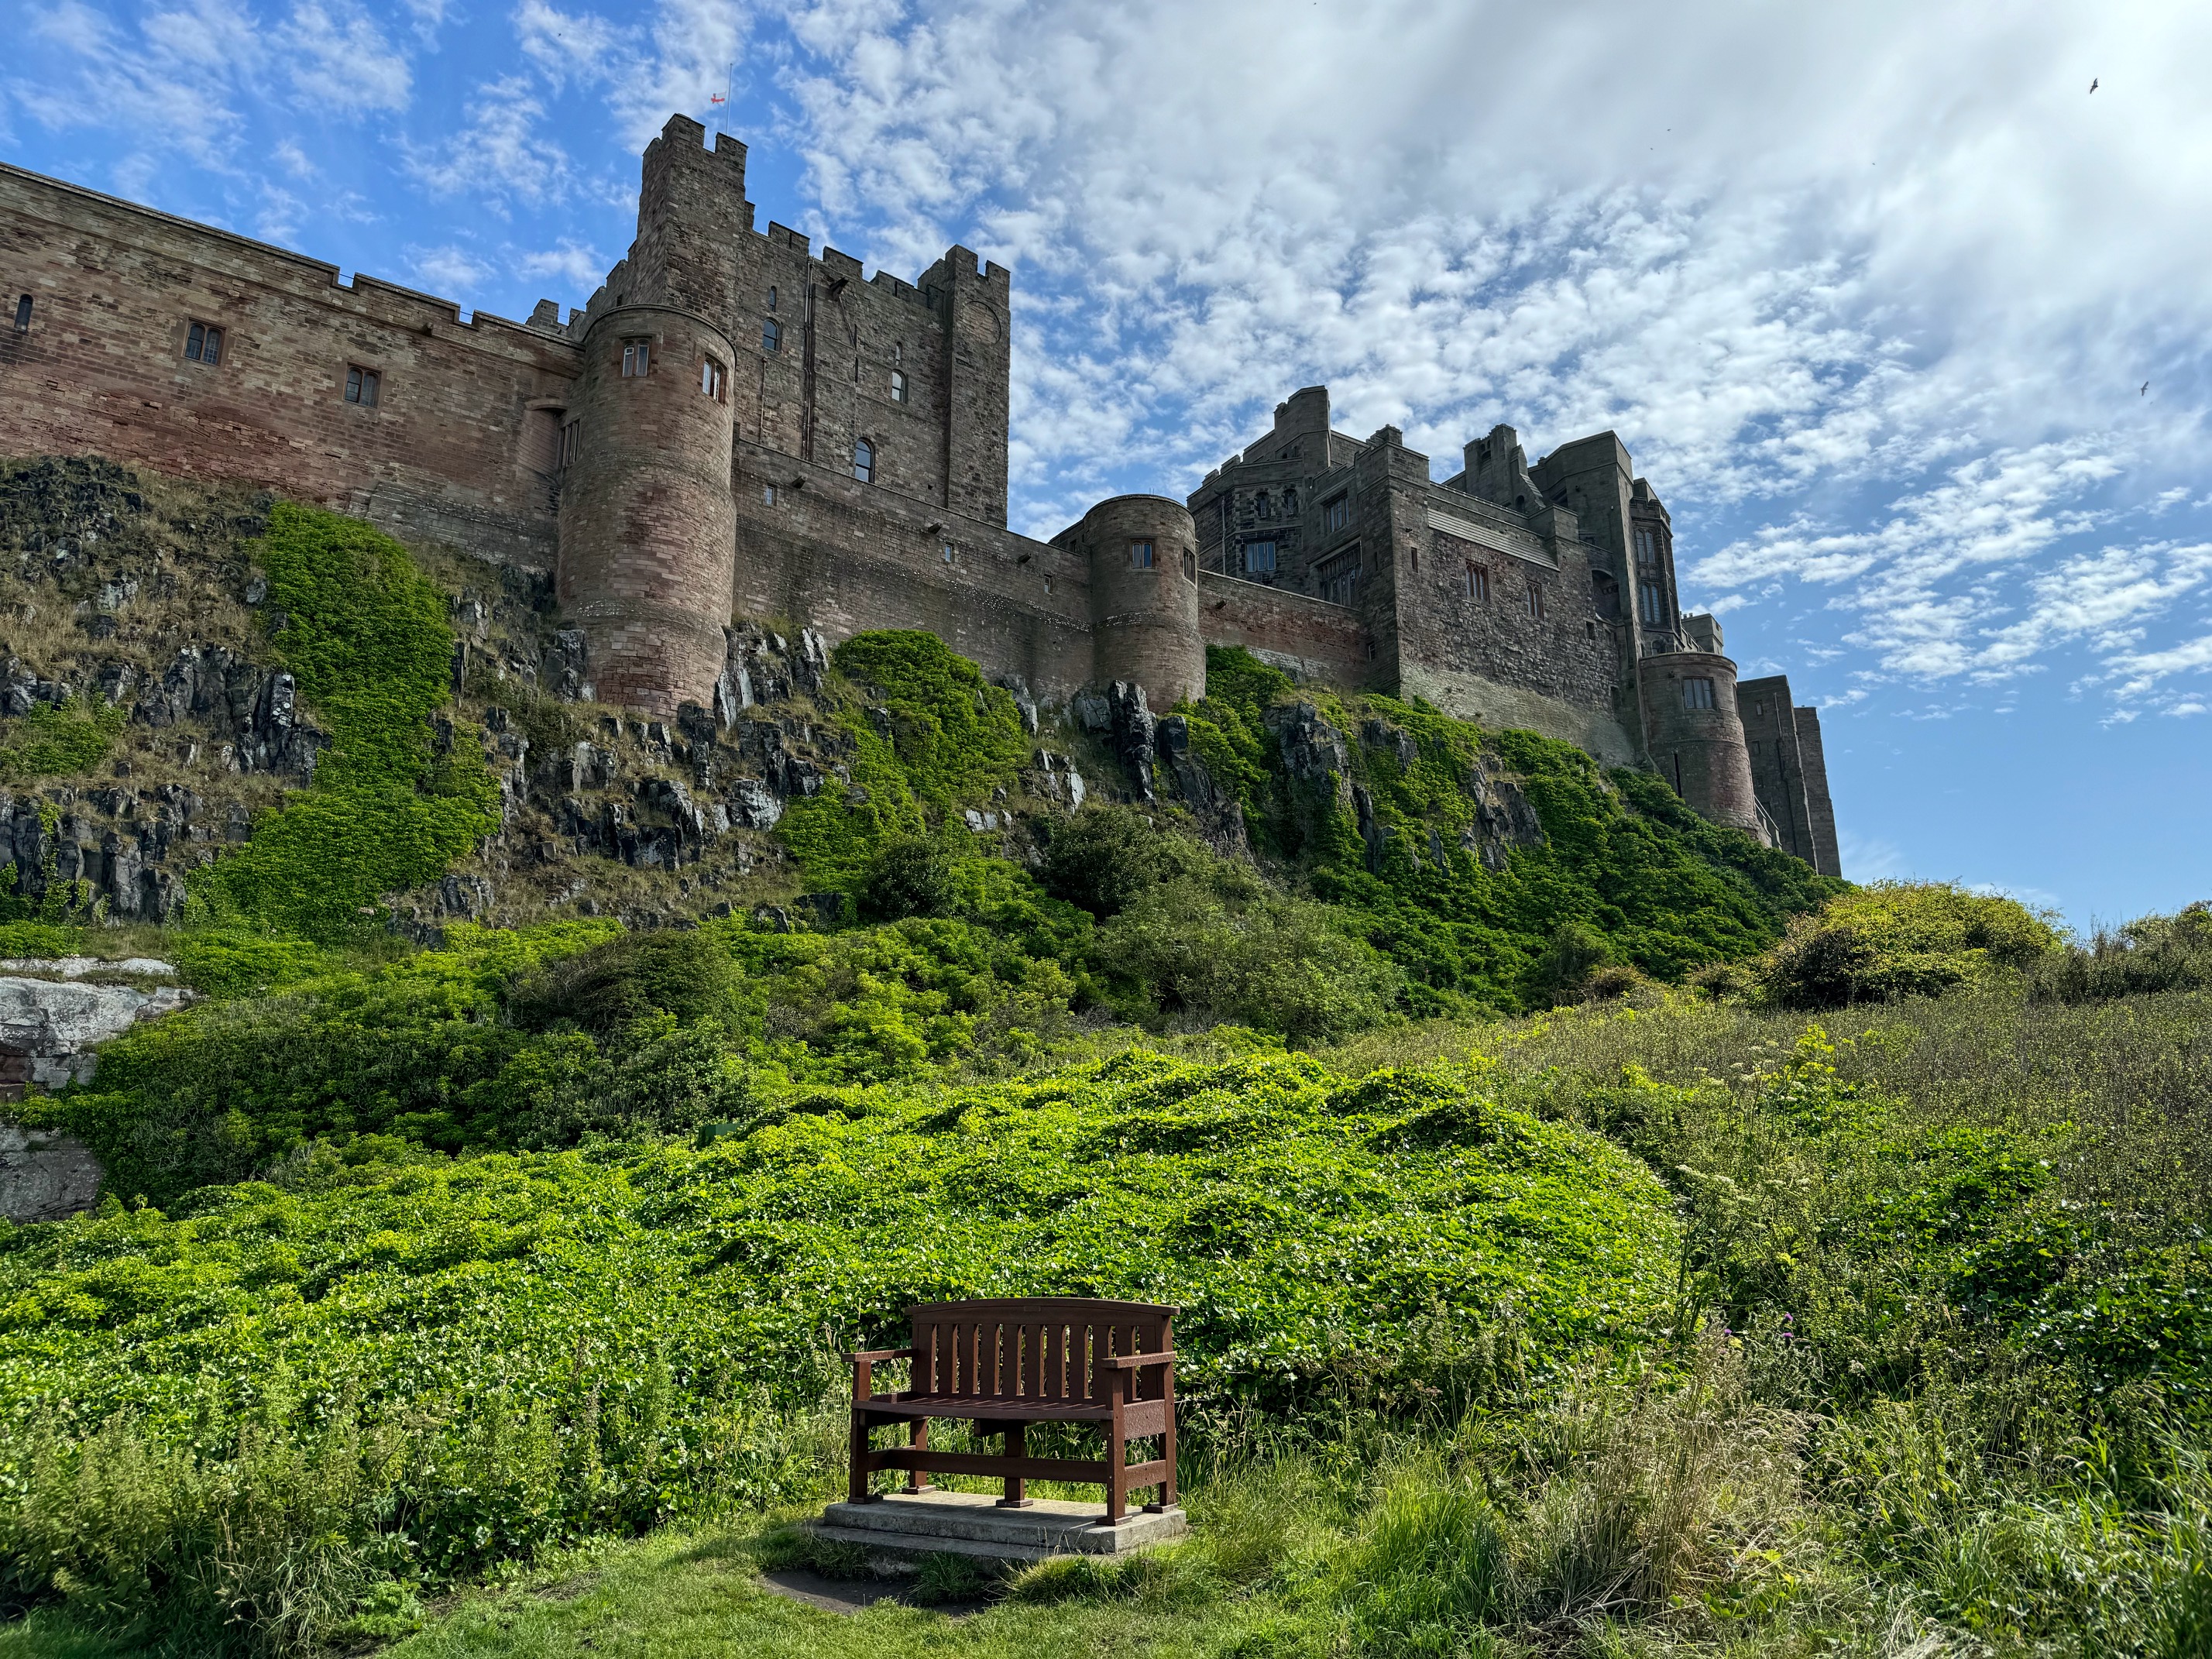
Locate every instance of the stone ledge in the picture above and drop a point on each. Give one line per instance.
(971, 1524)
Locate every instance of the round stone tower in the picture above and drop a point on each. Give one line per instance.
(648, 526)
(1696, 735)
(1143, 552)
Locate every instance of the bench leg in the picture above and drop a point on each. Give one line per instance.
(1017, 1445)
(856, 1480)
(918, 1437)
(1167, 1493)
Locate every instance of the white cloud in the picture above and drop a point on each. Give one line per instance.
(1893, 249)
(580, 268)
(447, 271)
(566, 46)
(1871, 859)
(501, 153)
(336, 55)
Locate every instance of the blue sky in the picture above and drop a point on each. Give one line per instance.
(1910, 328)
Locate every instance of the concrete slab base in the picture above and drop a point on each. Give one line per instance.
(971, 1524)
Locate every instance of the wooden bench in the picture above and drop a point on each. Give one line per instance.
(1004, 1365)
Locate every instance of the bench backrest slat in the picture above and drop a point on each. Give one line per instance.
(1041, 1349)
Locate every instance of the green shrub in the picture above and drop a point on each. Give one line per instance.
(1901, 938)
(2150, 955)
(912, 878)
(1194, 954)
(603, 989)
(230, 962)
(421, 1370)
(1104, 856)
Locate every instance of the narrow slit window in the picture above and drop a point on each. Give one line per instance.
(363, 387)
(947, 553)
(637, 358)
(767, 494)
(1477, 584)
(203, 344)
(898, 387)
(711, 379)
(1141, 556)
(771, 299)
(1697, 693)
(23, 315)
(771, 335)
(864, 461)
(1189, 565)
(572, 442)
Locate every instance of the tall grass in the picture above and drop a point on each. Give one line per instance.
(270, 1538)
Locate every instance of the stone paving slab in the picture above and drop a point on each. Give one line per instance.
(972, 1523)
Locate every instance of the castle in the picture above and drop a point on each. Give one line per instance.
(736, 426)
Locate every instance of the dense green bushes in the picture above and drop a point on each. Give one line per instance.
(507, 1040)
(428, 1367)
(2156, 953)
(1940, 1306)
(1901, 938)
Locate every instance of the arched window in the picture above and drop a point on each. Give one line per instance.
(771, 334)
(771, 299)
(864, 461)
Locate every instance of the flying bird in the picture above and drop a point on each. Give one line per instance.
(2145, 393)
(2092, 84)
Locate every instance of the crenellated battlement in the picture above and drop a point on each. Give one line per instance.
(736, 422)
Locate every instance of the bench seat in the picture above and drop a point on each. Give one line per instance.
(1138, 1417)
(1006, 1364)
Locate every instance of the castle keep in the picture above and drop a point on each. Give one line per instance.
(739, 426)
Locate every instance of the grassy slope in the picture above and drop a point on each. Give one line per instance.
(1959, 1245)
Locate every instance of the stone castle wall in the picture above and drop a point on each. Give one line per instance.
(830, 452)
(459, 447)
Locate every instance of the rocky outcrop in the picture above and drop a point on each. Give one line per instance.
(50, 1020)
(1319, 765)
(1214, 807)
(254, 711)
(44, 1175)
(48, 1027)
(1134, 733)
(1505, 818)
(131, 848)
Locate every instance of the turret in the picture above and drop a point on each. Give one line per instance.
(648, 527)
(1143, 552)
(1695, 731)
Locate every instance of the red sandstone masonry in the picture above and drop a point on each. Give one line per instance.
(115, 287)
(1325, 641)
(845, 558)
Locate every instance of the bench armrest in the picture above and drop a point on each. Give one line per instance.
(1137, 1362)
(880, 1354)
